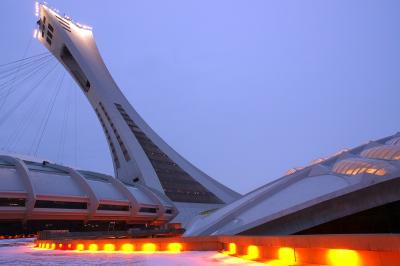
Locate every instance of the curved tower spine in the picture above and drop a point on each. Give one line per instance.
(139, 155)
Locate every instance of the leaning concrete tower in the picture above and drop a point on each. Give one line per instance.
(140, 156)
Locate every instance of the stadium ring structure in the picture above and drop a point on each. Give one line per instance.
(40, 193)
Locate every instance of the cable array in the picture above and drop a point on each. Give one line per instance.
(30, 93)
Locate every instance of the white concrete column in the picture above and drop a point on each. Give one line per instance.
(23, 173)
(133, 203)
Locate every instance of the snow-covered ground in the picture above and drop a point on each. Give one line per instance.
(21, 252)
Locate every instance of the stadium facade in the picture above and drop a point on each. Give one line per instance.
(354, 191)
(38, 195)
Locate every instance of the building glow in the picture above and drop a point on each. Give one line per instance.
(127, 247)
(93, 247)
(149, 247)
(35, 32)
(109, 247)
(252, 253)
(360, 166)
(287, 255)
(80, 247)
(231, 249)
(36, 9)
(85, 27)
(175, 247)
(83, 32)
(341, 257)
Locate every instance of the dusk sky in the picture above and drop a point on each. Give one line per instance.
(245, 90)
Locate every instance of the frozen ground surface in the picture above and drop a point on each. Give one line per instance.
(21, 252)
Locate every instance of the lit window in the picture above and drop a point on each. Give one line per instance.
(380, 172)
(360, 166)
(371, 170)
(387, 152)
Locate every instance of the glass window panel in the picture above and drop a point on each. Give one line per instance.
(381, 172)
(371, 170)
(356, 171)
(391, 154)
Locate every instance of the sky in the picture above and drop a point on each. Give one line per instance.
(245, 90)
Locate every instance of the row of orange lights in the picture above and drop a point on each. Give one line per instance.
(109, 247)
(287, 256)
(284, 256)
(16, 236)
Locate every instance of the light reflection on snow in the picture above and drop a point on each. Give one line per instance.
(22, 252)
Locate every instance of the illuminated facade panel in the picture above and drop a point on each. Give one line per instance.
(360, 166)
(354, 191)
(386, 152)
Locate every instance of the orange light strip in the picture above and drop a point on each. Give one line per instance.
(284, 255)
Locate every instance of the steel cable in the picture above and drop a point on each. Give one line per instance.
(27, 58)
(25, 122)
(49, 114)
(25, 97)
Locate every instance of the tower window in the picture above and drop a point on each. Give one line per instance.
(50, 27)
(117, 136)
(178, 185)
(111, 144)
(76, 71)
